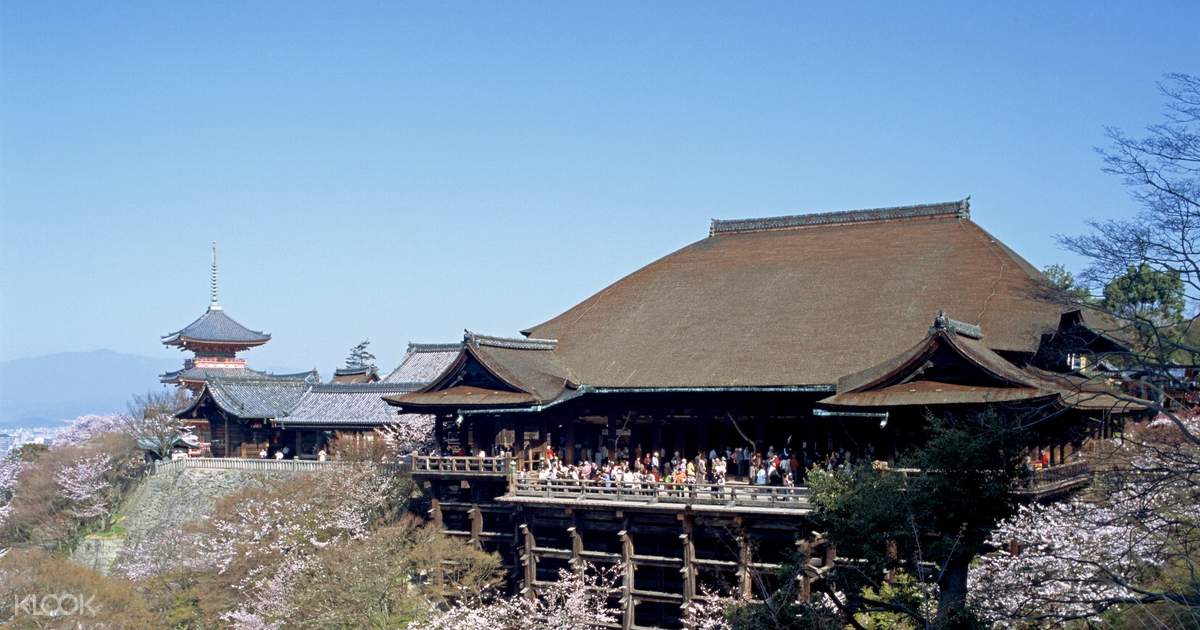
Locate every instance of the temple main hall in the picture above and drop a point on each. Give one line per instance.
(826, 338)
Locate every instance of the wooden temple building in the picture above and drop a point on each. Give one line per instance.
(236, 411)
(246, 416)
(831, 335)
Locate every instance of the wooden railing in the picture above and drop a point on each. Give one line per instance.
(259, 465)
(1070, 474)
(1051, 479)
(462, 465)
(660, 492)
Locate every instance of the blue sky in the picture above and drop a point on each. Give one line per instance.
(401, 172)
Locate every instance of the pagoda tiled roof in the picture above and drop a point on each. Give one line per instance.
(199, 374)
(214, 326)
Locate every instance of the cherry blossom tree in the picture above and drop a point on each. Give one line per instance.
(408, 434)
(83, 485)
(152, 422)
(11, 468)
(1108, 548)
(708, 612)
(583, 598)
(90, 426)
(262, 540)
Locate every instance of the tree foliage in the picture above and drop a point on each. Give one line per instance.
(929, 525)
(360, 357)
(1144, 293)
(1063, 281)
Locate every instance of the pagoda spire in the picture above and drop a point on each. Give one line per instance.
(214, 305)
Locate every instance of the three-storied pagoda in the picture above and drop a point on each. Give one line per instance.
(214, 340)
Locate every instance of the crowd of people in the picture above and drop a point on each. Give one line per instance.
(783, 467)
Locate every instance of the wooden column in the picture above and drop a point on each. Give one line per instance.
(805, 547)
(745, 580)
(689, 560)
(435, 514)
(576, 548)
(568, 454)
(476, 516)
(529, 562)
(628, 568)
(891, 555)
(439, 435)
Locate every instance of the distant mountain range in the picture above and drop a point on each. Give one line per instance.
(45, 390)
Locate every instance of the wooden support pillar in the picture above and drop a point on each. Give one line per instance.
(568, 453)
(628, 604)
(805, 548)
(476, 516)
(529, 562)
(745, 580)
(439, 435)
(435, 514)
(891, 555)
(688, 571)
(576, 548)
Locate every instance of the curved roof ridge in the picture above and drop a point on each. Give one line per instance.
(512, 343)
(333, 388)
(216, 326)
(434, 347)
(960, 209)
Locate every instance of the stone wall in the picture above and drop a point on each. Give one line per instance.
(161, 505)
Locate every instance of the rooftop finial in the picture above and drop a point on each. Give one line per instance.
(214, 305)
